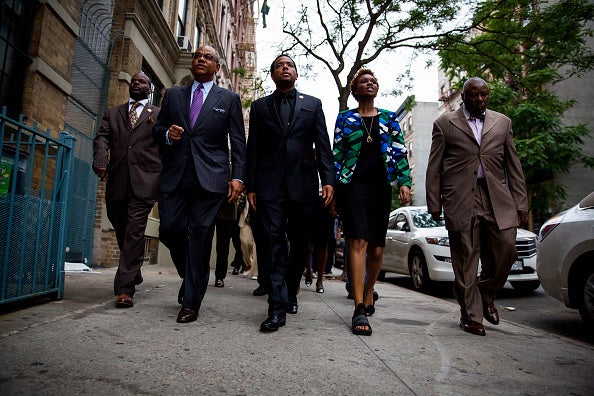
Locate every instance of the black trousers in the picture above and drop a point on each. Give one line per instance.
(283, 237)
(227, 231)
(187, 217)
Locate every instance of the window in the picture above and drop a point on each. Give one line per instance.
(156, 85)
(182, 8)
(196, 39)
(16, 19)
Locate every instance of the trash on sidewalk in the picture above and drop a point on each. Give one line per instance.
(76, 267)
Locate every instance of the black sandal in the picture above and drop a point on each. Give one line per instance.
(360, 320)
(370, 309)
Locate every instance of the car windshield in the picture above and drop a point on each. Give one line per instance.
(587, 202)
(422, 219)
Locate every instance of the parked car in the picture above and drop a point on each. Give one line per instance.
(565, 259)
(418, 246)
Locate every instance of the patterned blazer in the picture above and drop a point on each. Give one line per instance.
(348, 136)
(131, 155)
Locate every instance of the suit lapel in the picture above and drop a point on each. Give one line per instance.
(123, 110)
(146, 112)
(489, 123)
(184, 100)
(299, 99)
(272, 110)
(460, 122)
(213, 97)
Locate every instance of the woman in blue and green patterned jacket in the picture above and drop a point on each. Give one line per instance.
(369, 156)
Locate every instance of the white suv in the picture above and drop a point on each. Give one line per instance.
(565, 259)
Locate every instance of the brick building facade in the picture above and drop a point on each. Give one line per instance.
(72, 59)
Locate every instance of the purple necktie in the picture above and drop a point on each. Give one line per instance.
(196, 105)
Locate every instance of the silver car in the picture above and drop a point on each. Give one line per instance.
(418, 246)
(565, 259)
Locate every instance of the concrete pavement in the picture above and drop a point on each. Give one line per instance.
(84, 345)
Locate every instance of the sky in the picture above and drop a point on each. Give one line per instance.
(322, 85)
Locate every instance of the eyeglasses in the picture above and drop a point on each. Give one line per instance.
(208, 57)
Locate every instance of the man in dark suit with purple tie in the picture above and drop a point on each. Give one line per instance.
(125, 152)
(196, 124)
(285, 129)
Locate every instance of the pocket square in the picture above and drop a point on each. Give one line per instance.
(218, 110)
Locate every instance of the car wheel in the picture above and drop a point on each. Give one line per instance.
(525, 286)
(587, 306)
(381, 276)
(418, 272)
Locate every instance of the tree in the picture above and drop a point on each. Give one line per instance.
(522, 48)
(345, 35)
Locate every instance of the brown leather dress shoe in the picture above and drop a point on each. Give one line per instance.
(490, 313)
(186, 315)
(124, 301)
(472, 327)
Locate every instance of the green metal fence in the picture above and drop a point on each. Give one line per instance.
(35, 172)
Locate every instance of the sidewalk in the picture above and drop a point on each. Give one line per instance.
(84, 345)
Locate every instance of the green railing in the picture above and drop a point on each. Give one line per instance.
(35, 172)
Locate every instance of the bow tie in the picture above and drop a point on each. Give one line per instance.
(477, 117)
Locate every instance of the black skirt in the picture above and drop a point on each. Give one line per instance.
(364, 204)
(364, 210)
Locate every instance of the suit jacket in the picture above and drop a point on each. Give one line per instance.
(348, 135)
(453, 165)
(279, 158)
(134, 154)
(219, 123)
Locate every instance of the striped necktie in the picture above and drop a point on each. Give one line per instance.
(197, 100)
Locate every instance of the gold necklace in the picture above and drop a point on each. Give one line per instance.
(369, 139)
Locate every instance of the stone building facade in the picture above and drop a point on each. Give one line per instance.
(416, 124)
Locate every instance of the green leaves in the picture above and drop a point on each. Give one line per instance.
(523, 48)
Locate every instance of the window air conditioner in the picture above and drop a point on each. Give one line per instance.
(184, 43)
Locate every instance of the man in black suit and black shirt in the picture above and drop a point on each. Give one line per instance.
(282, 184)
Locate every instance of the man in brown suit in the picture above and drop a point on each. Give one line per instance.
(132, 169)
(474, 172)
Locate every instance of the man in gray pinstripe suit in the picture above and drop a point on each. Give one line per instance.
(196, 174)
(132, 169)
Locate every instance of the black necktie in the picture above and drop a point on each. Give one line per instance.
(285, 112)
(477, 117)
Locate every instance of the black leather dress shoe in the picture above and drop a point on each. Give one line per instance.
(235, 271)
(187, 315)
(472, 327)
(260, 291)
(273, 323)
(219, 283)
(490, 313)
(292, 308)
